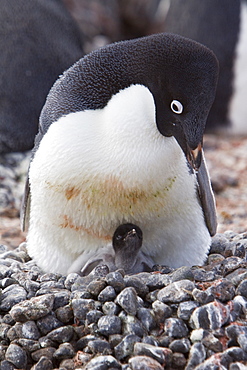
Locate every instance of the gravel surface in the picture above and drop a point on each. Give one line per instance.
(188, 318)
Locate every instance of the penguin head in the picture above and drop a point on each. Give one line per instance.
(180, 73)
(127, 239)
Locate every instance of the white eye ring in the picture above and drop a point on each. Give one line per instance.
(177, 107)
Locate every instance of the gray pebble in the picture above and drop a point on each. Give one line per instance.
(61, 335)
(176, 292)
(93, 316)
(131, 325)
(157, 281)
(222, 289)
(147, 318)
(242, 288)
(6, 365)
(109, 324)
(139, 286)
(182, 273)
(110, 308)
(17, 356)
(47, 352)
(65, 350)
(64, 314)
(126, 346)
(185, 309)
(127, 299)
(96, 286)
(30, 330)
(103, 363)
(81, 307)
(180, 345)
(28, 345)
(43, 364)
(33, 309)
(161, 310)
(12, 295)
(99, 346)
(48, 323)
(219, 244)
(202, 296)
(116, 280)
(144, 363)
(210, 316)
(107, 294)
(175, 328)
(157, 353)
(83, 341)
(196, 356)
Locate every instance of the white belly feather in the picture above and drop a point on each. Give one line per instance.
(97, 169)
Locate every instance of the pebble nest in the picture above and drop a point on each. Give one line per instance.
(186, 318)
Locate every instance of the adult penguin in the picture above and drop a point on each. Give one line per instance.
(120, 141)
(38, 41)
(216, 24)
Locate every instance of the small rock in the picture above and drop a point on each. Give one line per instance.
(136, 283)
(185, 309)
(197, 356)
(146, 318)
(110, 308)
(96, 286)
(103, 362)
(144, 363)
(161, 310)
(28, 345)
(131, 325)
(158, 281)
(127, 299)
(33, 309)
(11, 296)
(182, 273)
(158, 353)
(210, 316)
(175, 328)
(17, 356)
(180, 345)
(48, 323)
(93, 316)
(81, 307)
(109, 325)
(61, 335)
(43, 352)
(116, 280)
(126, 346)
(65, 350)
(64, 314)
(107, 294)
(242, 288)
(176, 292)
(178, 361)
(218, 244)
(30, 330)
(100, 346)
(43, 364)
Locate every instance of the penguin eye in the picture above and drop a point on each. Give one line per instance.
(177, 107)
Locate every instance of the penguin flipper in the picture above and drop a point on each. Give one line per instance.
(25, 207)
(207, 197)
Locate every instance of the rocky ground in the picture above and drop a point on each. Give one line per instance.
(188, 318)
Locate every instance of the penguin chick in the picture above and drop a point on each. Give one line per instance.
(120, 141)
(127, 242)
(124, 254)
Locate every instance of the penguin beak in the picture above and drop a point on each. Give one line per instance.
(194, 157)
(130, 233)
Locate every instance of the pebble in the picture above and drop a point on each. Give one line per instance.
(17, 356)
(176, 292)
(186, 318)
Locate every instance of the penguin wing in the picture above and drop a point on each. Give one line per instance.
(207, 197)
(25, 207)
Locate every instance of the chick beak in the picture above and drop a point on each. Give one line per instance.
(194, 157)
